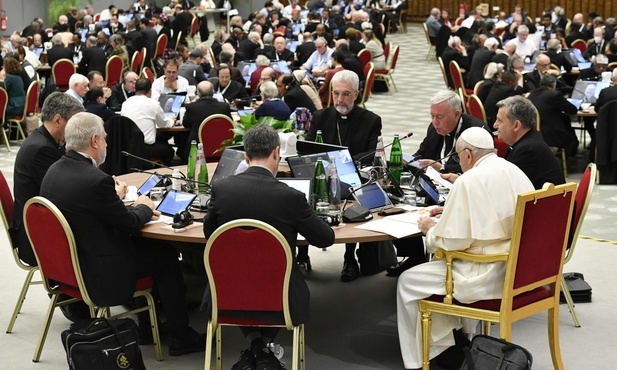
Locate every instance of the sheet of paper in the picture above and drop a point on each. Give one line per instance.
(436, 177)
(391, 227)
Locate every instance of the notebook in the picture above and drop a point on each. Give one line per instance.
(302, 185)
(171, 104)
(372, 197)
(175, 202)
(152, 181)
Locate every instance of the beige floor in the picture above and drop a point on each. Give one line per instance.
(354, 325)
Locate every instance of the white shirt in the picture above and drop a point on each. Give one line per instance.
(318, 61)
(32, 59)
(526, 48)
(72, 93)
(147, 115)
(288, 9)
(158, 87)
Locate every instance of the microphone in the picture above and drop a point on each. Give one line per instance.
(357, 212)
(127, 154)
(359, 161)
(415, 171)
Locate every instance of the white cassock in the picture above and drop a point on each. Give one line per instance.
(478, 217)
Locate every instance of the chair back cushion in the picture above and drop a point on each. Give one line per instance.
(4, 101)
(542, 234)
(114, 70)
(212, 132)
(249, 268)
(6, 200)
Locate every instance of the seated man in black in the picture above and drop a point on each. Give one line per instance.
(230, 89)
(111, 258)
(282, 207)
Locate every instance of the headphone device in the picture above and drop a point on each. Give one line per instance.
(182, 220)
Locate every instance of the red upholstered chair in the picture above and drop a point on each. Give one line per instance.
(582, 200)
(212, 132)
(147, 73)
(178, 39)
(137, 62)
(30, 108)
(501, 146)
(369, 73)
(161, 44)
(257, 251)
(386, 74)
(113, 71)
(58, 259)
(62, 71)
(194, 28)
(4, 101)
(6, 209)
(476, 108)
(579, 44)
(212, 58)
(457, 79)
(386, 50)
(535, 261)
(365, 57)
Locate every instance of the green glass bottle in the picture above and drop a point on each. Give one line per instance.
(203, 170)
(320, 187)
(396, 158)
(319, 137)
(190, 170)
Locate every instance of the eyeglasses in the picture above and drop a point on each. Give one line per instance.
(456, 155)
(345, 94)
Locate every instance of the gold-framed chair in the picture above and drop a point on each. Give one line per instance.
(56, 252)
(443, 72)
(247, 243)
(476, 108)
(432, 48)
(6, 209)
(582, 200)
(534, 261)
(387, 74)
(212, 132)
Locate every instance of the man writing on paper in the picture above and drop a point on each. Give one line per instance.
(477, 218)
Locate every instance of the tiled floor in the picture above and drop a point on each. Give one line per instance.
(354, 325)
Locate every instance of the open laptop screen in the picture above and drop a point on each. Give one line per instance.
(588, 91)
(373, 197)
(171, 104)
(302, 185)
(229, 165)
(175, 202)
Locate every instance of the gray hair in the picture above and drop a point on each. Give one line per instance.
(268, 38)
(325, 42)
(269, 90)
(522, 28)
(80, 129)
(512, 59)
(347, 76)
(260, 141)
(60, 103)
(491, 69)
(553, 44)
(261, 60)
(253, 35)
(548, 80)
(452, 98)
(56, 40)
(453, 41)
(115, 39)
(491, 43)
(76, 78)
(520, 109)
(434, 12)
(225, 56)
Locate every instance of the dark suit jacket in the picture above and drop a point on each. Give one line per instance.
(592, 49)
(59, 52)
(554, 125)
(92, 59)
(499, 91)
(248, 49)
(117, 97)
(36, 154)
(481, 58)
(304, 51)
(501, 58)
(431, 146)
(273, 108)
(606, 95)
(286, 55)
(533, 156)
(150, 36)
(449, 55)
(296, 97)
(359, 131)
(559, 60)
(101, 224)
(136, 38)
(198, 111)
(235, 90)
(278, 205)
(589, 74)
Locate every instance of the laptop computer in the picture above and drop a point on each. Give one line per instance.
(576, 102)
(588, 91)
(302, 185)
(292, 45)
(372, 197)
(171, 104)
(175, 202)
(280, 66)
(228, 165)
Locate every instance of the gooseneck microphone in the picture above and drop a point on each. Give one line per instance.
(385, 146)
(156, 164)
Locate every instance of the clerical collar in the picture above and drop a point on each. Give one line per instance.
(90, 158)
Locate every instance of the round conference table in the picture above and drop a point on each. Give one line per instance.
(344, 233)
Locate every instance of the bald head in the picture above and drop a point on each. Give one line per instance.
(578, 18)
(267, 74)
(205, 89)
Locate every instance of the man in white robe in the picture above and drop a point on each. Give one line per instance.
(478, 217)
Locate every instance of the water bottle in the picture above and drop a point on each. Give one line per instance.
(190, 170)
(396, 158)
(320, 188)
(176, 180)
(334, 187)
(379, 162)
(203, 169)
(319, 137)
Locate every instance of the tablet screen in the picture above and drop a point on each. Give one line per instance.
(144, 189)
(175, 202)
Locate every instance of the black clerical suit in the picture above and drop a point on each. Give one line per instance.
(118, 96)
(101, 223)
(233, 90)
(278, 205)
(59, 52)
(199, 110)
(533, 156)
(296, 97)
(358, 130)
(36, 154)
(92, 59)
(554, 124)
(433, 144)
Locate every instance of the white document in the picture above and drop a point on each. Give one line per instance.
(436, 177)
